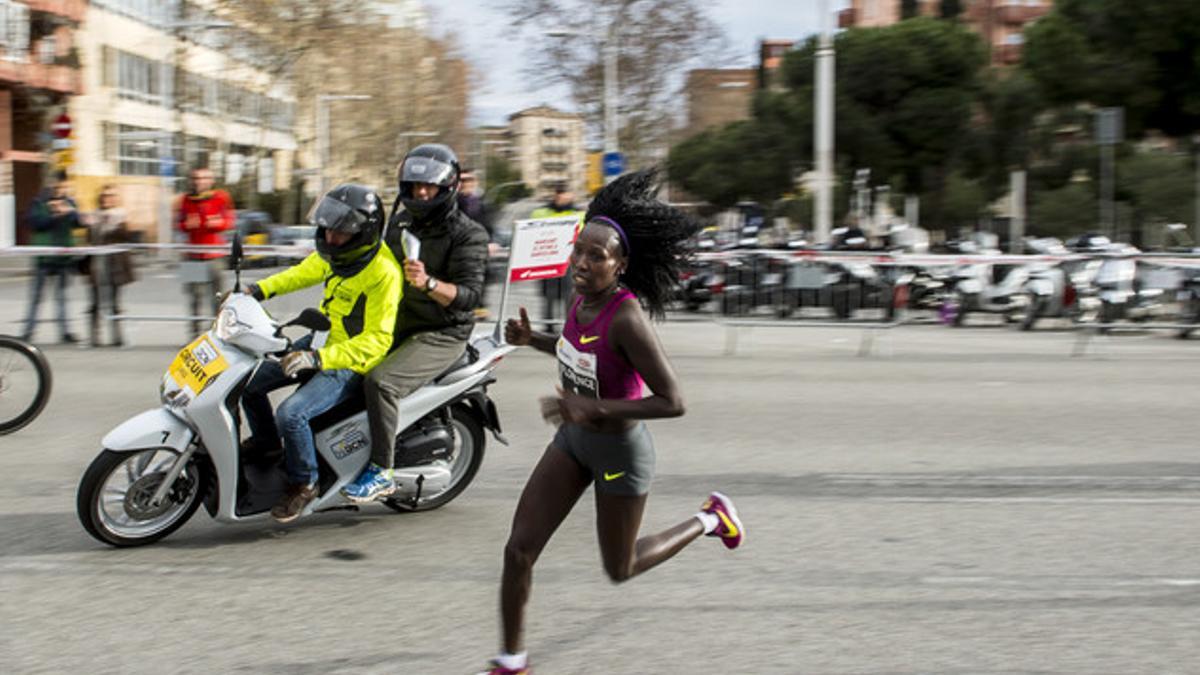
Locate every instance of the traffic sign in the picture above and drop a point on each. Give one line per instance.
(62, 125)
(614, 164)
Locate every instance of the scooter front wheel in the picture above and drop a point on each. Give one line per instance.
(115, 498)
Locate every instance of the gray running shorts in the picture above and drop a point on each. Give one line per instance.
(620, 463)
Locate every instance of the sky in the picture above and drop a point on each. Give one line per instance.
(483, 35)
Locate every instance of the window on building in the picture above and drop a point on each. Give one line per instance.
(1014, 39)
(139, 150)
(142, 79)
(14, 31)
(158, 13)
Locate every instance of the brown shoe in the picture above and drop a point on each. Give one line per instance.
(293, 502)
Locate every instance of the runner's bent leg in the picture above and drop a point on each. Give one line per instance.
(554, 487)
(618, 518)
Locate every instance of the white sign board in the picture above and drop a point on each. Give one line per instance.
(541, 249)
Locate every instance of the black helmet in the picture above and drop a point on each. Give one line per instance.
(352, 209)
(435, 164)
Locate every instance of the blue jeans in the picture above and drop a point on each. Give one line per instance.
(35, 298)
(326, 389)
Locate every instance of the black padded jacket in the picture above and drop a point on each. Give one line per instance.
(454, 249)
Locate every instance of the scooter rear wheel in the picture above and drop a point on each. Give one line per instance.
(464, 464)
(114, 498)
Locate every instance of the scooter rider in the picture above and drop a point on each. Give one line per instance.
(442, 285)
(362, 290)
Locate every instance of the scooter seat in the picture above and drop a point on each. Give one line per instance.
(471, 355)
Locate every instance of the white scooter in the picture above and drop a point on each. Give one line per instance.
(987, 287)
(156, 469)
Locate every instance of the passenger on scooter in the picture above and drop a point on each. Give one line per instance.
(362, 291)
(445, 257)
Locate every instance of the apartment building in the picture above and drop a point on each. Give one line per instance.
(548, 149)
(39, 71)
(168, 85)
(1001, 23)
(716, 97)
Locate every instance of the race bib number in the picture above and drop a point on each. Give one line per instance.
(577, 370)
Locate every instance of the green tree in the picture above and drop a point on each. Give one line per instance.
(905, 98)
(503, 182)
(1144, 56)
(1160, 189)
(964, 201)
(1062, 212)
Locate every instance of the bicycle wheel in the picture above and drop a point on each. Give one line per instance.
(24, 383)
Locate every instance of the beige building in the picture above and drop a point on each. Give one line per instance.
(1001, 23)
(155, 104)
(716, 97)
(548, 149)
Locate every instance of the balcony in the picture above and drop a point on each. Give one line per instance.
(68, 9)
(1020, 15)
(47, 76)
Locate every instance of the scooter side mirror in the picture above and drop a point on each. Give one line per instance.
(235, 258)
(311, 319)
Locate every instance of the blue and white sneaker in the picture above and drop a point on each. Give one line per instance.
(373, 483)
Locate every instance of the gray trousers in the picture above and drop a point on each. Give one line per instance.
(417, 360)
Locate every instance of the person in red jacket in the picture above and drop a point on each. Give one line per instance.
(203, 214)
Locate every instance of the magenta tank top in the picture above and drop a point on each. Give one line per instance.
(587, 365)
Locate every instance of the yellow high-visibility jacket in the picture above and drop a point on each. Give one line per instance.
(361, 308)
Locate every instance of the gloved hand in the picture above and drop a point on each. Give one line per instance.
(295, 363)
(252, 290)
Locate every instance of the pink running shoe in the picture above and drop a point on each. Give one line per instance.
(497, 669)
(729, 527)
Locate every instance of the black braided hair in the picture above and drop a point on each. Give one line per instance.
(657, 234)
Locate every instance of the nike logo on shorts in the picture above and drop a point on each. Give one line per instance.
(613, 476)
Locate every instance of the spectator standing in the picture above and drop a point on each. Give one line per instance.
(204, 213)
(53, 218)
(109, 272)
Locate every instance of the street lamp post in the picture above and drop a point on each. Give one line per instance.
(823, 130)
(321, 120)
(611, 146)
(1196, 219)
(403, 136)
(609, 49)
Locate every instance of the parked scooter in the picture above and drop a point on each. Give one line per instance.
(989, 287)
(854, 285)
(158, 467)
(1121, 294)
(1057, 289)
(1189, 301)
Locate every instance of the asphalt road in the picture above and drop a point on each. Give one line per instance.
(961, 501)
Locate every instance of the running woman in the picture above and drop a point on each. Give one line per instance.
(624, 265)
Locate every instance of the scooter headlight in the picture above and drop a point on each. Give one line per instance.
(227, 325)
(171, 394)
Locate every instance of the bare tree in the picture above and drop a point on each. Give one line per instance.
(345, 47)
(657, 41)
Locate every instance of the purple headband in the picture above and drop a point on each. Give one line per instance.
(620, 232)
